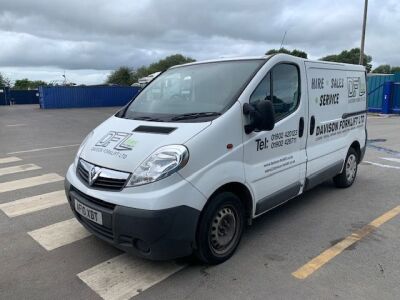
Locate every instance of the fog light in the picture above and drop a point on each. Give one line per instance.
(141, 246)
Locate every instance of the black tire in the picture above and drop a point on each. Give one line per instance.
(220, 228)
(349, 173)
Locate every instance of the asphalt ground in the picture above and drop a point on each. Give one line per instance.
(352, 256)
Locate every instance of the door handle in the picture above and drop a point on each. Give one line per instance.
(312, 125)
(301, 127)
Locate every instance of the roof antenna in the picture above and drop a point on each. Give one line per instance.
(283, 39)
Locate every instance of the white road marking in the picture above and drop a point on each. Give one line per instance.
(29, 182)
(15, 125)
(381, 165)
(391, 159)
(11, 159)
(33, 204)
(18, 169)
(125, 276)
(59, 234)
(41, 149)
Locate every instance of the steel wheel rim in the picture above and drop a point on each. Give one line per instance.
(224, 230)
(351, 167)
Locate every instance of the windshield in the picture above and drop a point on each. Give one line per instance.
(196, 92)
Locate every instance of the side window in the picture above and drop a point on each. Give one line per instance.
(281, 86)
(285, 89)
(263, 90)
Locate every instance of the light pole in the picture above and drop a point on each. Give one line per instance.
(363, 33)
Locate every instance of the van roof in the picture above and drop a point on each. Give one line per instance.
(224, 59)
(266, 57)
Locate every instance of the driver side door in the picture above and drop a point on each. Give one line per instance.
(275, 160)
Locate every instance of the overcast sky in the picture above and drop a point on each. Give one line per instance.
(87, 38)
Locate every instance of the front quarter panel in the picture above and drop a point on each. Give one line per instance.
(211, 163)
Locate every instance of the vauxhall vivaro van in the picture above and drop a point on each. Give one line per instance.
(208, 146)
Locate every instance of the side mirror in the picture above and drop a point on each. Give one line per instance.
(262, 116)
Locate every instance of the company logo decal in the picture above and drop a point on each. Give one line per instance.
(94, 174)
(115, 144)
(121, 141)
(355, 87)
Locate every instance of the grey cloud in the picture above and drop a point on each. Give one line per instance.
(102, 35)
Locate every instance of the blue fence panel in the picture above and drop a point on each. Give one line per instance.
(9, 96)
(3, 96)
(375, 91)
(24, 96)
(85, 96)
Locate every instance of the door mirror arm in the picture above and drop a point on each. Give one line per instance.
(249, 110)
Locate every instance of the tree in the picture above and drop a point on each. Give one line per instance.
(4, 81)
(169, 61)
(299, 53)
(386, 69)
(26, 84)
(395, 70)
(382, 69)
(294, 52)
(351, 56)
(121, 76)
(161, 65)
(127, 76)
(139, 73)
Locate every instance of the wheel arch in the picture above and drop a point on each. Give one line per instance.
(356, 146)
(240, 190)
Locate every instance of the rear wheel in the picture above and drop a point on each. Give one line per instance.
(220, 228)
(349, 173)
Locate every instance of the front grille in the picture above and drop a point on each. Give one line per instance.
(93, 200)
(110, 183)
(83, 173)
(106, 178)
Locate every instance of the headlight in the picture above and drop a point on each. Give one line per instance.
(162, 163)
(78, 154)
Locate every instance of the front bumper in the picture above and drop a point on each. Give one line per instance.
(154, 234)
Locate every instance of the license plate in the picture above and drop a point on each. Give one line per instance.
(88, 213)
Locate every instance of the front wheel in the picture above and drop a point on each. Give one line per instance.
(220, 228)
(349, 173)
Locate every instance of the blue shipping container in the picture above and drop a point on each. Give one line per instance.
(85, 96)
(375, 91)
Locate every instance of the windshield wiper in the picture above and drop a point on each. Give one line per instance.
(195, 115)
(145, 118)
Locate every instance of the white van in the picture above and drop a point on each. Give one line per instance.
(208, 146)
